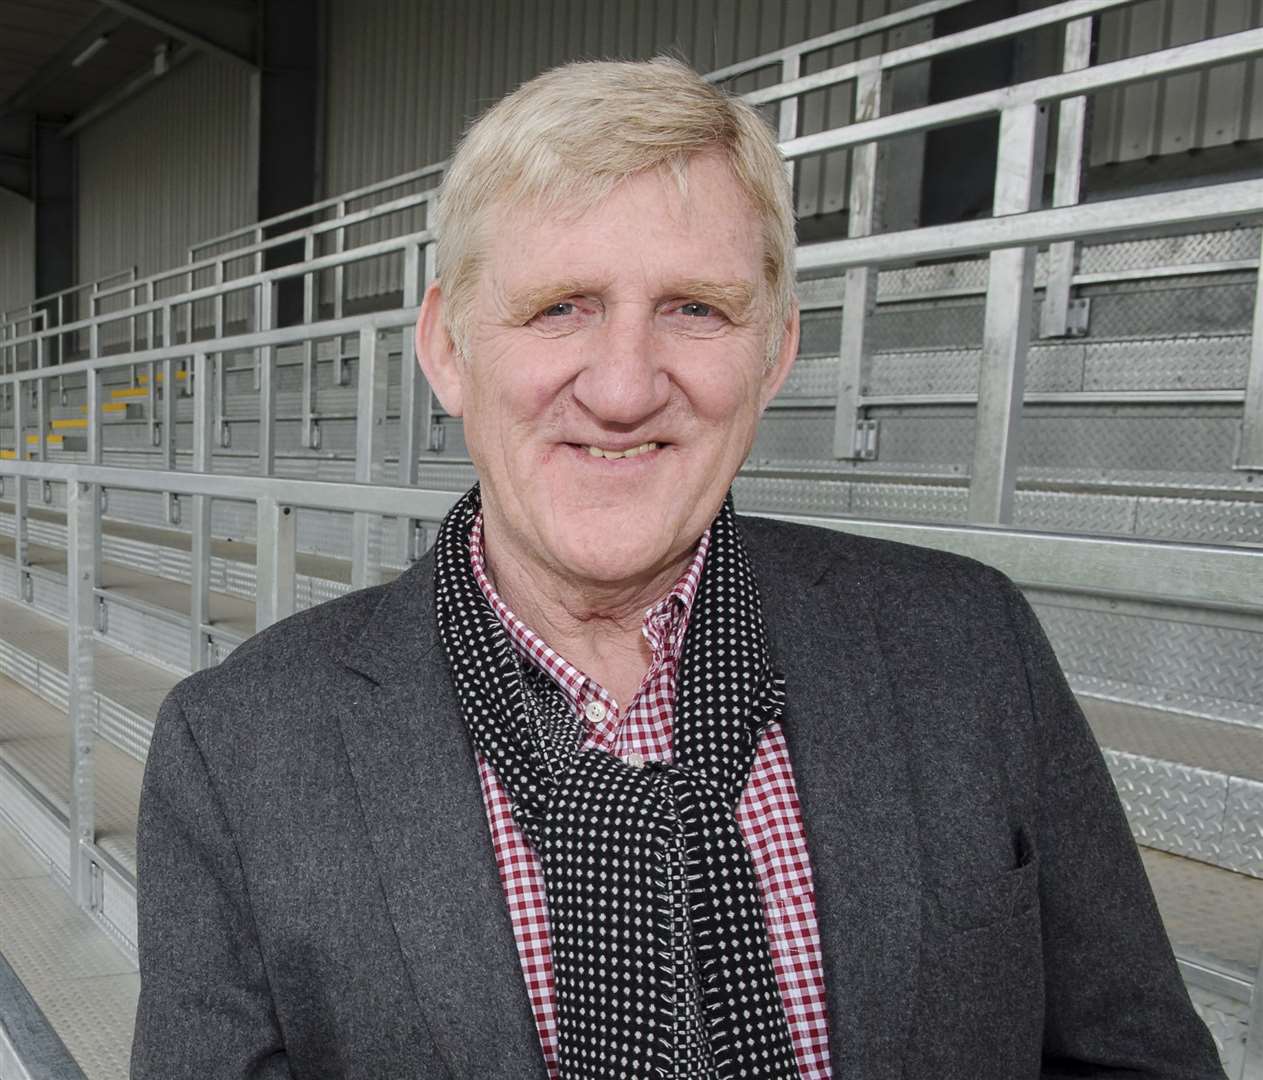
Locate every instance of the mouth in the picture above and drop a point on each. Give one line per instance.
(617, 455)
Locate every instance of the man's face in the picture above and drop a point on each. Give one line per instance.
(615, 373)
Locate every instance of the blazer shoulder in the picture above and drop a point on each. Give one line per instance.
(295, 659)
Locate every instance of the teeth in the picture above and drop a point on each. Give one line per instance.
(614, 455)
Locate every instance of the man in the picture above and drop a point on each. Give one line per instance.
(614, 783)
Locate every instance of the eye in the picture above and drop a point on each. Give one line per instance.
(559, 309)
(697, 309)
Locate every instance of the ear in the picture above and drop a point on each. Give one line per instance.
(775, 375)
(436, 352)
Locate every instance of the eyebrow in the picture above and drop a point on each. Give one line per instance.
(736, 298)
(524, 304)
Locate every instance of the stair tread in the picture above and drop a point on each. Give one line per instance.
(1233, 749)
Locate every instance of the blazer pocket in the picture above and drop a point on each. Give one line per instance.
(992, 901)
(980, 1005)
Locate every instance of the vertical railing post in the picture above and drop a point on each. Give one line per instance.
(82, 531)
(1006, 323)
(20, 560)
(310, 429)
(863, 216)
(1250, 451)
(94, 330)
(370, 419)
(41, 399)
(170, 396)
(1071, 126)
(787, 114)
(267, 382)
(199, 605)
(412, 391)
(274, 562)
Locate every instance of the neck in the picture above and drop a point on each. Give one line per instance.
(595, 625)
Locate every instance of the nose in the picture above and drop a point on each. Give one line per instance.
(622, 380)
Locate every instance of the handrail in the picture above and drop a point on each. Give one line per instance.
(395, 206)
(255, 339)
(877, 25)
(1066, 11)
(1230, 578)
(1227, 578)
(1209, 203)
(8, 316)
(1179, 58)
(324, 204)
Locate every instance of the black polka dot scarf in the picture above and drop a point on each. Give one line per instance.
(660, 954)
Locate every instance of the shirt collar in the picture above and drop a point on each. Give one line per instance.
(664, 625)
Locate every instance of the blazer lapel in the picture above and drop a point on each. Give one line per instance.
(417, 781)
(850, 773)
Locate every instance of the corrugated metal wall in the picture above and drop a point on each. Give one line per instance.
(1184, 112)
(17, 251)
(405, 78)
(165, 170)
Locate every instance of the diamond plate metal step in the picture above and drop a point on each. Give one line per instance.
(68, 968)
(1191, 786)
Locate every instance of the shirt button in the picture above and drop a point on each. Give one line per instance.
(635, 760)
(594, 711)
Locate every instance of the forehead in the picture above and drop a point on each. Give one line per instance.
(648, 225)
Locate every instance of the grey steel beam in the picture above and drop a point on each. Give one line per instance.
(82, 528)
(1071, 128)
(274, 561)
(199, 597)
(1007, 322)
(1250, 452)
(413, 391)
(151, 73)
(224, 30)
(58, 66)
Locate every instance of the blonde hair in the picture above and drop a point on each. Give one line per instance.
(570, 135)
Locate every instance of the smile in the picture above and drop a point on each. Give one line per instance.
(614, 455)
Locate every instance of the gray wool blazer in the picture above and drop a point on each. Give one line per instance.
(319, 898)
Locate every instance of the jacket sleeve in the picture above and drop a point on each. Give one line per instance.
(205, 1010)
(1115, 1004)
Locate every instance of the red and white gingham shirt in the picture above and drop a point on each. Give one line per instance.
(768, 815)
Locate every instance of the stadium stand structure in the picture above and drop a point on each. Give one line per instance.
(1073, 394)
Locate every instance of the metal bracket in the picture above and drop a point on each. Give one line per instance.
(103, 500)
(438, 438)
(315, 435)
(102, 615)
(1078, 316)
(225, 435)
(96, 888)
(157, 434)
(173, 509)
(46, 491)
(28, 587)
(865, 443)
